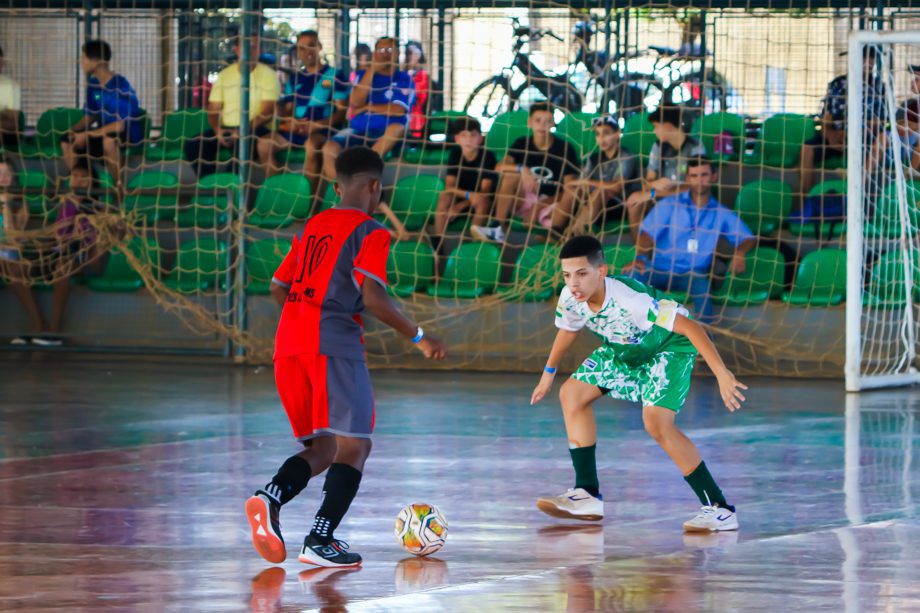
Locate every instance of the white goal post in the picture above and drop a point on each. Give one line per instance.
(882, 232)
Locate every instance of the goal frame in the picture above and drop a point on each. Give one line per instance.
(855, 240)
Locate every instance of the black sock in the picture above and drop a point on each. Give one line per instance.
(341, 485)
(705, 488)
(290, 479)
(583, 460)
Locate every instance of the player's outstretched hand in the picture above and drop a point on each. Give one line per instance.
(433, 348)
(542, 389)
(730, 388)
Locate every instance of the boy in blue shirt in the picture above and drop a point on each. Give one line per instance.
(111, 106)
(380, 100)
(315, 99)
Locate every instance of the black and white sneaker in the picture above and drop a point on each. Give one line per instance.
(333, 555)
(263, 512)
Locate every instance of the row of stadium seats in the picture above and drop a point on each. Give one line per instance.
(765, 205)
(778, 143)
(475, 269)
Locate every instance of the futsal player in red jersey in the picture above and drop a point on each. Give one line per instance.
(333, 272)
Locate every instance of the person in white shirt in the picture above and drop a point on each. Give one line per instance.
(10, 105)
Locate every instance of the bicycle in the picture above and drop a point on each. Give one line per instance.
(498, 94)
(612, 91)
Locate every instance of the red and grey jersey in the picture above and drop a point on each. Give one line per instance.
(324, 272)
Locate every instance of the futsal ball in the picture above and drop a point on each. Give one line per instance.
(420, 529)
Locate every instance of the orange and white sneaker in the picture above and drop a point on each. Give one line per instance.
(262, 512)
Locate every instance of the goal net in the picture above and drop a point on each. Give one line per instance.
(882, 240)
(172, 245)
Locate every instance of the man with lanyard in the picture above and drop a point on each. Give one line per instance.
(315, 100)
(678, 239)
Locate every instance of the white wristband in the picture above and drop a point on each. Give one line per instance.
(419, 335)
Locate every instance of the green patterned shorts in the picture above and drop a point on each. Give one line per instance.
(663, 382)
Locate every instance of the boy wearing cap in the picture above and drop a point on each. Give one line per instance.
(610, 174)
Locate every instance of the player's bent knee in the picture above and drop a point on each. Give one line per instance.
(574, 396)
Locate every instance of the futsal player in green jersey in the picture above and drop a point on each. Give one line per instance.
(648, 352)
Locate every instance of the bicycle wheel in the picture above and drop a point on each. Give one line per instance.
(489, 99)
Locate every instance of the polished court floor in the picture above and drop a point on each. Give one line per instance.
(122, 484)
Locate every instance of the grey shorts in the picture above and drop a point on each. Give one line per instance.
(326, 395)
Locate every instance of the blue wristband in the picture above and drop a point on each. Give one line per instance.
(549, 369)
(419, 335)
(642, 258)
(467, 196)
(651, 193)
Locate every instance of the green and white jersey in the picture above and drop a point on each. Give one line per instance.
(632, 321)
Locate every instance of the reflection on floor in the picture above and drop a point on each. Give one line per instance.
(121, 486)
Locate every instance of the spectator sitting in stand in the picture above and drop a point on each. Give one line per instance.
(380, 100)
(678, 240)
(10, 105)
(225, 111)
(111, 106)
(667, 164)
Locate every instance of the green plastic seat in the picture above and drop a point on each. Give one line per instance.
(781, 139)
(761, 280)
(886, 218)
(639, 135)
(764, 204)
(42, 203)
(280, 200)
(51, 126)
(823, 229)
(119, 275)
(330, 198)
(153, 194)
(708, 127)
(262, 260)
(536, 274)
(821, 279)
(201, 265)
(618, 256)
(428, 154)
(435, 146)
(410, 267)
(577, 129)
(507, 128)
(178, 127)
(415, 200)
(887, 282)
(210, 206)
(473, 269)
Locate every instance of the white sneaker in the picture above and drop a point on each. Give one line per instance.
(712, 519)
(576, 503)
(484, 233)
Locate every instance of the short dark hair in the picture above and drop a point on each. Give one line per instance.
(356, 161)
(584, 246)
(666, 113)
(701, 160)
(464, 124)
(312, 33)
(363, 49)
(541, 106)
(97, 49)
(421, 52)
